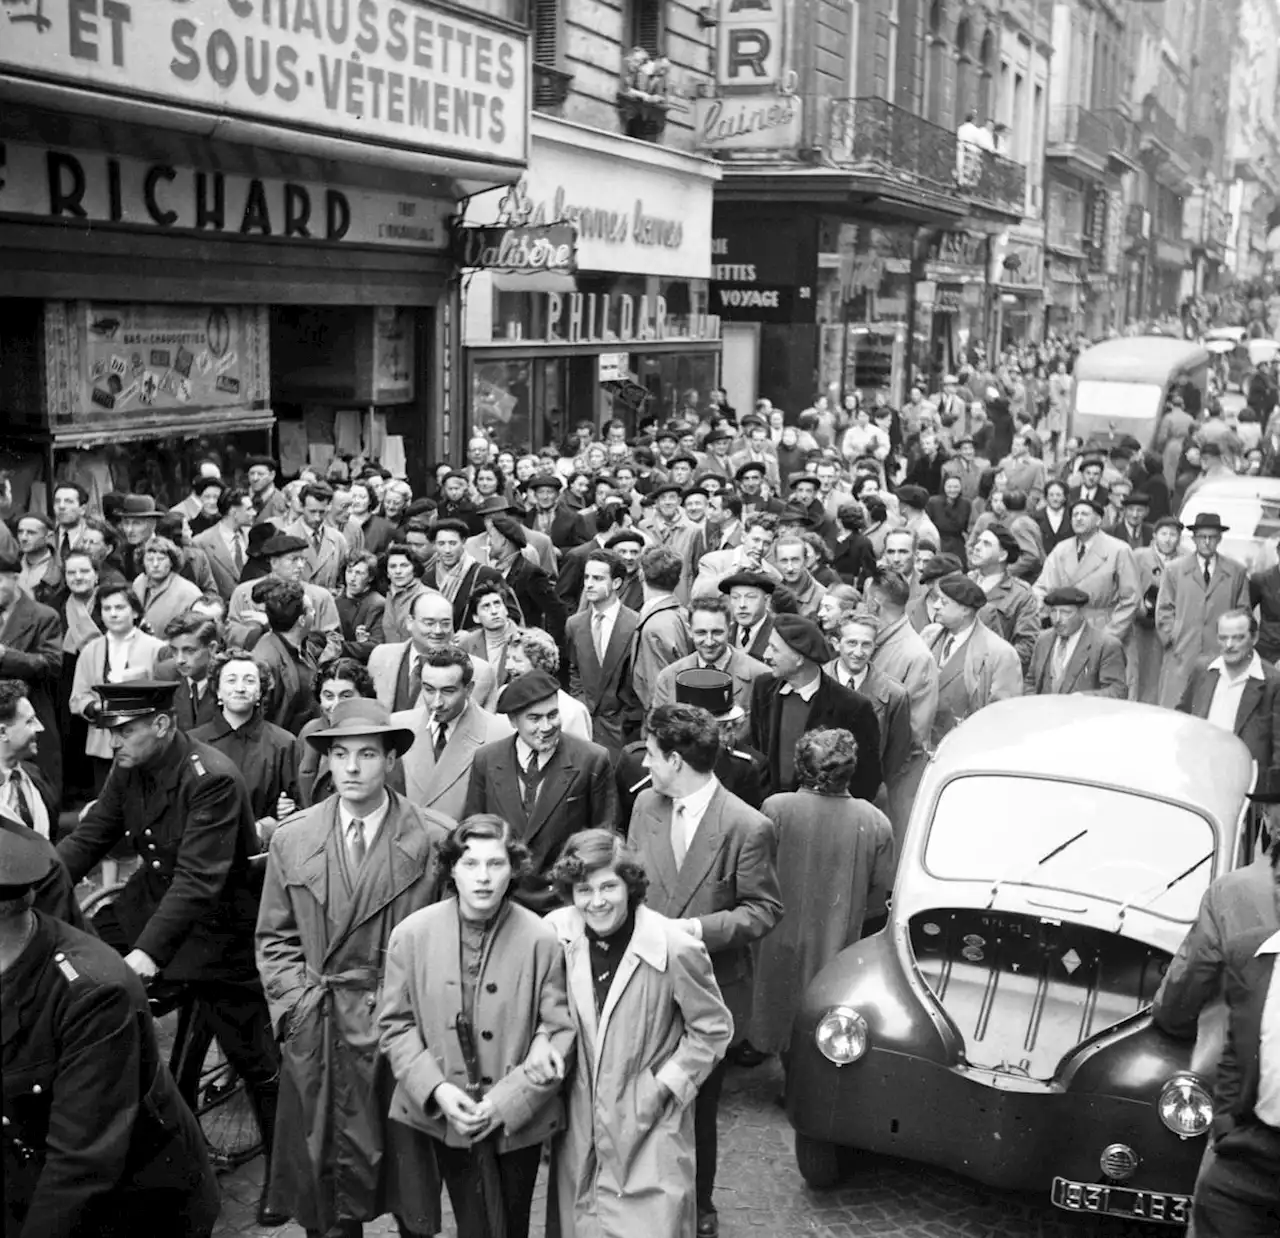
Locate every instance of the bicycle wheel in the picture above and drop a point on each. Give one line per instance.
(217, 1096)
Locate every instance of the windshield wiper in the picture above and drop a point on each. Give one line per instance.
(1147, 897)
(1026, 871)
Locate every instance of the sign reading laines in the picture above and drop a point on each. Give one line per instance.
(551, 247)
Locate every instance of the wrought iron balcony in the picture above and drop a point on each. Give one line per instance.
(1158, 127)
(1122, 135)
(875, 136)
(1000, 182)
(1077, 133)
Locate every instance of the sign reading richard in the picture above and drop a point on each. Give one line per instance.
(386, 72)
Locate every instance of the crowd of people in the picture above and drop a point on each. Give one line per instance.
(513, 816)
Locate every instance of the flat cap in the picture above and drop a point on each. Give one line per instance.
(1066, 595)
(804, 636)
(544, 479)
(959, 588)
(625, 535)
(510, 528)
(527, 689)
(282, 544)
(749, 580)
(913, 496)
(1081, 501)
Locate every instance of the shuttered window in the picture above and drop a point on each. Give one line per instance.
(546, 33)
(647, 26)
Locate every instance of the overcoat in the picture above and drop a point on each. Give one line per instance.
(1096, 668)
(265, 754)
(983, 670)
(661, 637)
(143, 651)
(1187, 616)
(835, 866)
(320, 953)
(743, 669)
(624, 1166)
(1106, 572)
(902, 656)
(1144, 650)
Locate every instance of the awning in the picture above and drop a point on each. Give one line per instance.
(133, 429)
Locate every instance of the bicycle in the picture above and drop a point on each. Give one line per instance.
(206, 1080)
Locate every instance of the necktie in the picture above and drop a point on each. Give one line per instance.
(318, 540)
(597, 634)
(356, 846)
(1080, 549)
(415, 681)
(237, 554)
(65, 548)
(945, 653)
(442, 738)
(194, 689)
(744, 638)
(1208, 575)
(532, 781)
(19, 795)
(679, 842)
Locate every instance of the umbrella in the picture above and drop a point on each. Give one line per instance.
(488, 1180)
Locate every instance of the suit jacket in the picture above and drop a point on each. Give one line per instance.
(728, 883)
(221, 563)
(1096, 666)
(606, 690)
(831, 706)
(31, 650)
(661, 637)
(365, 611)
(577, 793)
(568, 529)
(759, 642)
(718, 564)
(191, 716)
(324, 567)
(1135, 541)
(1257, 718)
(983, 670)
(1187, 616)
(291, 701)
(442, 785)
(742, 668)
(540, 605)
(893, 715)
(384, 669)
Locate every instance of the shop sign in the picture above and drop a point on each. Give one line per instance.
(393, 354)
(550, 247)
(387, 72)
(617, 318)
(750, 43)
(748, 122)
(129, 358)
(959, 249)
(96, 188)
(763, 269)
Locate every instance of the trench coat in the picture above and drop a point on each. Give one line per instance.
(624, 1167)
(320, 955)
(835, 867)
(1187, 617)
(661, 637)
(1107, 573)
(1145, 653)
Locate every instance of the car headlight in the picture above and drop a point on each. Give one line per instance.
(841, 1035)
(1186, 1108)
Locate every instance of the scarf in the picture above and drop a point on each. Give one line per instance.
(449, 582)
(81, 628)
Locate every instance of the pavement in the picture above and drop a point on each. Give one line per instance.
(760, 1193)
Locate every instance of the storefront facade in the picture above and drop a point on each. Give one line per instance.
(253, 253)
(623, 327)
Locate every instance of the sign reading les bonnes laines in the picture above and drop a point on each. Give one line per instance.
(388, 72)
(520, 250)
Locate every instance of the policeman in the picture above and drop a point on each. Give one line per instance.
(95, 1138)
(742, 770)
(189, 912)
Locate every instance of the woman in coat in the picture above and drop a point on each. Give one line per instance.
(651, 1026)
(835, 867)
(163, 592)
(482, 960)
(951, 514)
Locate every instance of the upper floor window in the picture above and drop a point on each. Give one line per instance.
(646, 26)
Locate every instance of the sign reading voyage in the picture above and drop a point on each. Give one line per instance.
(385, 71)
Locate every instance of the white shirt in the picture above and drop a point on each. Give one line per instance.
(1267, 1106)
(119, 654)
(1226, 696)
(694, 809)
(372, 823)
(9, 801)
(752, 632)
(846, 677)
(605, 624)
(232, 539)
(958, 640)
(806, 693)
(1210, 564)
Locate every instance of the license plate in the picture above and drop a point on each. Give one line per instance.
(1121, 1201)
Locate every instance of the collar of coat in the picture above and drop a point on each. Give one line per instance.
(648, 941)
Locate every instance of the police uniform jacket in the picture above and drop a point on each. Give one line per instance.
(96, 1139)
(191, 905)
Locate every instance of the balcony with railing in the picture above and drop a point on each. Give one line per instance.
(874, 136)
(1079, 135)
(1122, 137)
(1159, 130)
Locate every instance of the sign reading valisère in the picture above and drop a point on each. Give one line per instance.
(382, 71)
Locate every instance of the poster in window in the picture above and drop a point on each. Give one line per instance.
(392, 355)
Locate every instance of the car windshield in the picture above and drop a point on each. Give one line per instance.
(1139, 401)
(1122, 848)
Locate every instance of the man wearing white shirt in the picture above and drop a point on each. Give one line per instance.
(23, 799)
(226, 545)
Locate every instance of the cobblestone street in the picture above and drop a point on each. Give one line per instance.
(760, 1191)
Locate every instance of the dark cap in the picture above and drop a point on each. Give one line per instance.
(804, 636)
(716, 436)
(666, 487)
(702, 478)
(282, 544)
(1066, 595)
(1081, 501)
(361, 716)
(939, 566)
(959, 588)
(751, 466)
(749, 580)
(1167, 522)
(683, 457)
(123, 702)
(791, 514)
(625, 535)
(527, 689)
(544, 479)
(913, 496)
(1008, 543)
(25, 857)
(450, 525)
(510, 528)
(1139, 498)
(710, 690)
(139, 507)
(798, 478)
(1093, 457)
(260, 534)
(492, 504)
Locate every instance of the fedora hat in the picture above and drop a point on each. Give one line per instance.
(139, 507)
(362, 716)
(1207, 522)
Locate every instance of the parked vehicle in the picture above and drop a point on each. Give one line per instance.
(1250, 507)
(1121, 386)
(999, 1026)
(1233, 354)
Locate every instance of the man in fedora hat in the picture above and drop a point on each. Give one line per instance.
(137, 523)
(1194, 593)
(538, 547)
(187, 914)
(96, 1138)
(565, 528)
(339, 879)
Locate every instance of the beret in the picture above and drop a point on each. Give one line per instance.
(703, 478)
(37, 516)
(511, 529)
(959, 588)
(625, 535)
(1168, 522)
(751, 580)
(544, 479)
(1066, 595)
(1081, 501)
(794, 479)
(664, 487)
(683, 457)
(804, 636)
(1008, 543)
(913, 496)
(938, 567)
(527, 689)
(752, 466)
(455, 473)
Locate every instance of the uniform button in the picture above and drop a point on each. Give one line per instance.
(155, 863)
(486, 1035)
(59, 957)
(151, 846)
(490, 987)
(36, 1089)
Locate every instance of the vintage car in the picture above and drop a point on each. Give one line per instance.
(999, 1026)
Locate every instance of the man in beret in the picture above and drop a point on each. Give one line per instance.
(1012, 610)
(975, 666)
(546, 784)
(798, 696)
(1072, 656)
(750, 595)
(756, 457)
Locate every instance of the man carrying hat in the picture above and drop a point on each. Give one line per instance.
(538, 548)
(339, 879)
(96, 1138)
(798, 696)
(1194, 592)
(188, 912)
(1072, 656)
(975, 666)
(546, 784)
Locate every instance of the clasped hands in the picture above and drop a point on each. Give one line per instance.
(477, 1119)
